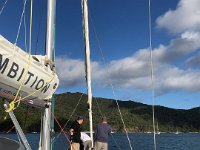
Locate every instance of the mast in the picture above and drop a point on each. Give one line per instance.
(51, 7)
(51, 11)
(87, 63)
(157, 127)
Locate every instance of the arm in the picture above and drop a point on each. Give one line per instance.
(95, 133)
(109, 131)
(71, 133)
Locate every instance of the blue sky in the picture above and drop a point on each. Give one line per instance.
(122, 29)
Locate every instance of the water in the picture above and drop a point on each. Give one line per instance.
(183, 141)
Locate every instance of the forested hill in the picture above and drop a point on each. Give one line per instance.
(137, 116)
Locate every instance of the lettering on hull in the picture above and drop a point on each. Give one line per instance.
(16, 72)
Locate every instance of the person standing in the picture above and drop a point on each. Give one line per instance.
(87, 141)
(75, 133)
(102, 132)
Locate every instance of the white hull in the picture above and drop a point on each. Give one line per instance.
(157, 133)
(13, 65)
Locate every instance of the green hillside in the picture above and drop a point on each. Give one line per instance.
(137, 116)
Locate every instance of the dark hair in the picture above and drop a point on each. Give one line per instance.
(104, 119)
(80, 118)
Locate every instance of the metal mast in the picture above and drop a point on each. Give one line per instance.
(87, 62)
(51, 7)
(51, 11)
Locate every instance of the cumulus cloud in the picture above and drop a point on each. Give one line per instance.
(184, 18)
(70, 71)
(193, 61)
(134, 71)
(188, 43)
(175, 79)
(124, 73)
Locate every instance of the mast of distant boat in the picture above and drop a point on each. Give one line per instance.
(87, 63)
(51, 7)
(158, 132)
(176, 131)
(157, 128)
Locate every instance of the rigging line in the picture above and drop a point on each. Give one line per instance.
(62, 130)
(30, 29)
(48, 82)
(25, 38)
(102, 116)
(115, 141)
(20, 22)
(69, 118)
(3, 6)
(99, 107)
(112, 87)
(152, 75)
(39, 27)
(10, 129)
(121, 117)
(12, 104)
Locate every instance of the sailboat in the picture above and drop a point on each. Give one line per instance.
(157, 132)
(176, 131)
(32, 79)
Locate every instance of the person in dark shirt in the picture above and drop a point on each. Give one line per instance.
(102, 132)
(75, 133)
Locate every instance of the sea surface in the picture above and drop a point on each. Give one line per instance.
(139, 141)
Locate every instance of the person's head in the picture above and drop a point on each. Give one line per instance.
(80, 119)
(104, 120)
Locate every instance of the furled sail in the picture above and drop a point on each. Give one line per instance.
(39, 83)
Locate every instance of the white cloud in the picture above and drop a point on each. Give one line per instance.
(188, 43)
(175, 79)
(184, 18)
(70, 71)
(193, 61)
(134, 71)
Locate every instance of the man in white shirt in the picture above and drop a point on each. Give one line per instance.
(87, 141)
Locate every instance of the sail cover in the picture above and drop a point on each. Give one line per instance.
(41, 82)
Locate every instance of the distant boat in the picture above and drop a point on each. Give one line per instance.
(34, 132)
(148, 132)
(176, 131)
(157, 132)
(193, 132)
